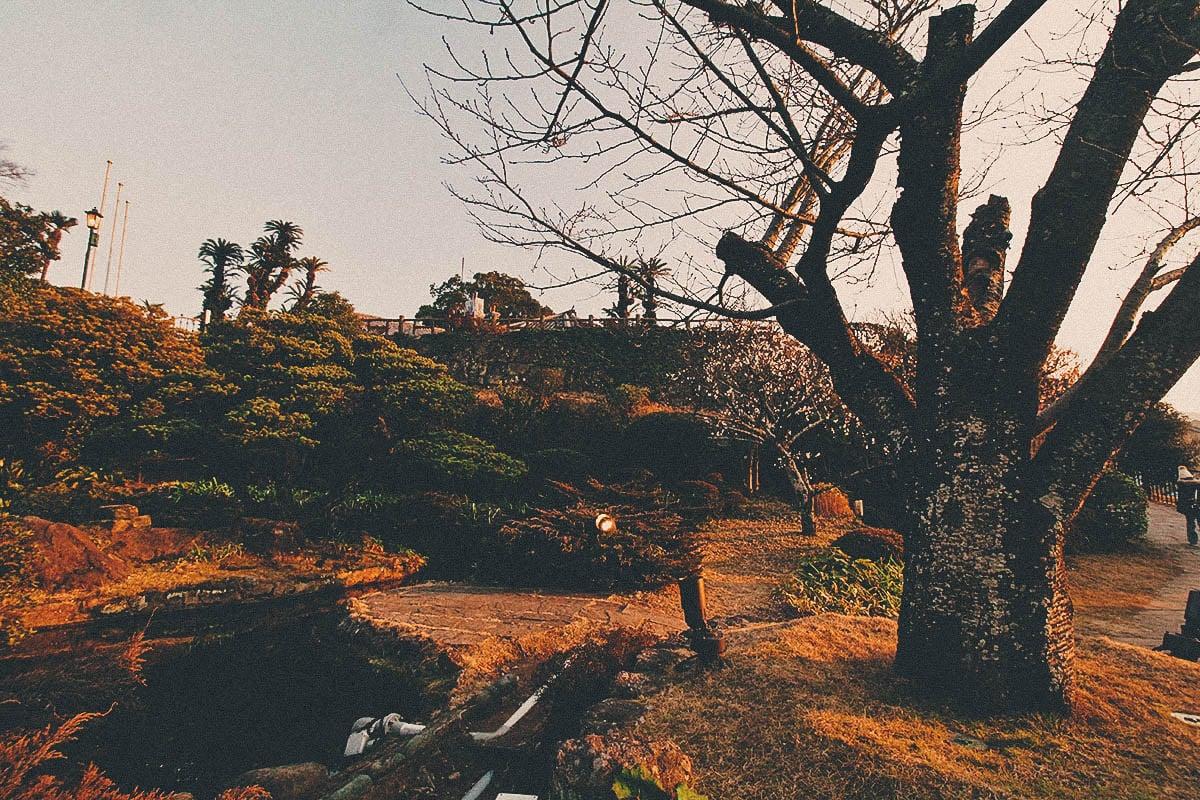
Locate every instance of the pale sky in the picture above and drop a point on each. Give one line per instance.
(221, 115)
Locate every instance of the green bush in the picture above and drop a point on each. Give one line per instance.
(874, 544)
(831, 581)
(638, 784)
(200, 504)
(1115, 514)
(277, 501)
(457, 461)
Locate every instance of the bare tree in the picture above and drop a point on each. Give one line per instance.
(791, 139)
(754, 383)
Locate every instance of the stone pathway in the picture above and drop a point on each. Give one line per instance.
(458, 615)
(1165, 612)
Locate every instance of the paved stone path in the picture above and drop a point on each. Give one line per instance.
(459, 615)
(1165, 612)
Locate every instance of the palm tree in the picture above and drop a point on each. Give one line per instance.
(303, 290)
(271, 262)
(650, 270)
(621, 308)
(222, 258)
(59, 223)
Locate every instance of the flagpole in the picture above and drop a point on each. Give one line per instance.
(112, 237)
(121, 252)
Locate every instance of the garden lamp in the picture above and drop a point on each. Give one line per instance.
(93, 222)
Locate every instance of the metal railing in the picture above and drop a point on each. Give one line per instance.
(184, 323)
(422, 326)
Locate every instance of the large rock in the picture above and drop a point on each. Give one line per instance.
(585, 768)
(269, 535)
(613, 713)
(291, 782)
(151, 544)
(64, 557)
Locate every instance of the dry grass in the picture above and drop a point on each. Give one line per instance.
(36, 608)
(745, 560)
(810, 708)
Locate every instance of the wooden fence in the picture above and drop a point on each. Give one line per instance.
(1165, 493)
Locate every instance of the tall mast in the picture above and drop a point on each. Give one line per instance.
(112, 238)
(121, 251)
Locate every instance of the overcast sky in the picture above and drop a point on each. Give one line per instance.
(219, 116)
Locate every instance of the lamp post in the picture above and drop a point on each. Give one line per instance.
(93, 223)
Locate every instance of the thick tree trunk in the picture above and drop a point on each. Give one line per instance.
(985, 614)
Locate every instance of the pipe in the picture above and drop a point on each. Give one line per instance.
(522, 710)
(476, 791)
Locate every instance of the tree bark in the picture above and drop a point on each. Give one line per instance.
(985, 614)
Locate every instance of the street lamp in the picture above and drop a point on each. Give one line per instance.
(93, 223)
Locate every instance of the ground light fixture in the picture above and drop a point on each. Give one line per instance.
(94, 218)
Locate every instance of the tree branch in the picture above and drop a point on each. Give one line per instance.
(1151, 41)
(1112, 399)
(813, 22)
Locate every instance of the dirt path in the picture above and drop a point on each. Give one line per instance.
(1135, 598)
(1132, 597)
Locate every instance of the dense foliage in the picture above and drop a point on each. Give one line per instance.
(590, 359)
(299, 415)
(833, 581)
(302, 399)
(29, 240)
(1114, 516)
(504, 297)
(74, 362)
(1162, 442)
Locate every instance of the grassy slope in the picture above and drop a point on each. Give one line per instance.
(809, 708)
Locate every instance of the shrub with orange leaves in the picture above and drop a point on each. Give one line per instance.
(831, 502)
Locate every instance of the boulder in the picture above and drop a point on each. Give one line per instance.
(585, 768)
(142, 521)
(269, 535)
(63, 556)
(632, 685)
(140, 544)
(613, 714)
(121, 511)
(304, 781)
